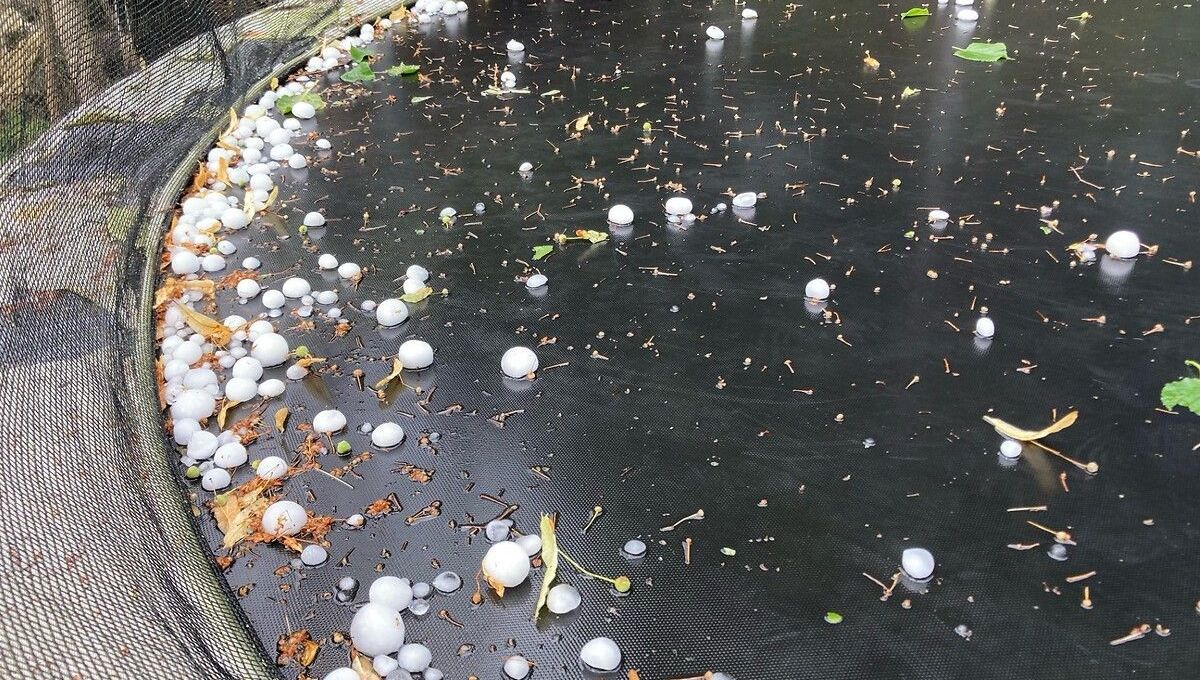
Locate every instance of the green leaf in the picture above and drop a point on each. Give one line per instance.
(592, 235)
(541, 252)
(549, 560)
(417, 296)
(833, 617)
(287, 101)
(914, 12)
(358, 54)
(981, 51)
(1184, 392)
(418, 100)
(403, 69)
(360, 73)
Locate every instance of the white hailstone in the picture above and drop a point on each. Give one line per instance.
(297, 161)
(968, 15)
(518, 362)
(985, 327)
(189, 353)
(197, 378)
(678, 205)
(314, 219)
(507, 564)
(414, 658)
(507, 79)
(384, 665)
(282, 152)
(416, 272)
(303, 110)
(601, 653)
(525, 167)
(461, 6)
(348, 270)
(634, 548)
(356, 520)
(324, 144)
(215, 479)
(291, 124)
(314, 555)
(415, 354)
(446, 582)
(746, 199)
(1010, 448)
(230, 455)
(433, 673)
(271, 467)
(226, 247)
(254, 111)
(248, 368)
(620, 215)
(184, 262)
(498, 530)
(516, 667)
(530, 543)
(1123, 245)
(202, 446)
(515, 46)
(296, 287)
(271, 349)
(817, 289)
(184, 430)
(274, 299)
(343, 673)
(749, 14)
(964, 3)
(193, 404)
(411, 286)
(536, 281)
(391, 592)
(447, 213)
(240, 389)
(252, 263)
(714, 33)
(917, 563)
(936, 216)
(377, 629)
(329, 421)
(279, 137)
(327, 261)
(212, 263)
(261, 182)
(391, 312)
(259, 328)
(233, 218)
(271, 388)
(387, 435)
(563, 598)
(284, 518)
(327, 297)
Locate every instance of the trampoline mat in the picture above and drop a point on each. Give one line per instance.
(683, 370)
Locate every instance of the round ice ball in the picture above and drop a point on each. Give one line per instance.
(230, 455)
(313, 555)
(314, 219)
(516, 667)
(749, 13)
(417, 272)
(387, 435)
(968, 15)
(415, 354)
(270, 349)
(917, 563)
(714, 33)
(563, 598)
(536, 281)
(525, 168)
(1010, 448)
(1123, 244)
(303, 110)
(985, 327)
(240, 389)
(193, 404)
(274, 299)
(296, 287)
(414, 658)
(202, 445)
(377, 629)
(678, 205)
(936, 216)
(620, 215)
(515, 46)
(248, 288)
(384, 665)
(518, 362)
(215, 479)
(329, 421)
(343, 673)
(817, 289)
(284, 518)
(746, 199)
(327, 261)
(271, 467)
(412, 286)
(601, 654)
(391, 312)
(391, 592)
(348, 270)
(507, 564)
(184, 262)
(447, 582)
(271, 388)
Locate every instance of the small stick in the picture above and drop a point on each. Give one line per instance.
(1060, 536)
(1080, 577)
(1137, 633)
(1031, 508)
(1091, 467)
(596, 512)
(1023, 546)
(687, 550)
(1086, 603)
(699, 514)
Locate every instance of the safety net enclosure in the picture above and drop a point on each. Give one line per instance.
(805, 340)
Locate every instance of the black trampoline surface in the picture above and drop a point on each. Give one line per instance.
(688, 372)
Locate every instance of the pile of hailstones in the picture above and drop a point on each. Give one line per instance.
(197, 373)
(428, 10)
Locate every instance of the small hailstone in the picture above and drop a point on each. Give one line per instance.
(327, 297)
(749, 14)
(1057, 552)
(412, 286)
(515, 46)
(817, 289)
(356, 520)
(202, 445)
(387, 435)
(415, 354)
(419, 607)
(377, 629)
(284, 518)
(297, 161)
(516, 667)
(414, 658)
(391, 312)
(417, 273)
(348, 270)
(1010, 448)
(985, 327)
(184, 262)
(714, 33)
(936, 216)
(563, 598)
(448, 213)
(968, 15)
(447, 582)
(917, 563)
(347, 583)
(314, 555)
(271, 349)
(271, 388)
(230, 455)
(421, 590)
(215, 479)
(432, 673)
(303, 110)
(634, 548)
(384, 665)
(620, 215)
(601, 654)
(271, 467)
(507, 564)
(252, 263)
(323, 144)
(964, 3)
(525, 167)
(497, 530)
(314, 219)
(329, 421)
(343, 673)
(296, 287)
(480, 208)
(274, 299)
(518, 362)
(536, 281)
(746, 199)
(530, 543)
(392, 592)
(1123, 245)
(240, 389)
(248, 289)
(678, 205)
(507, 79)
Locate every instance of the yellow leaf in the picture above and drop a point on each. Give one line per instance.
(214, 331)
(418, 295)
(592, 235)
(396, 368)
(281, 417)
(309, 361)
(361, 663)
(225, 408)
(173, 288)
(549, 559)
(581, 122)
(495, 585)
(271, 198)
(223, 170)
(274, 83)
(1014, 432)
(237, 511)
(399, 14)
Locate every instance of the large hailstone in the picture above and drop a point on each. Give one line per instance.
(507, 564)
(270, 349)
(817, 289)
(271, 467)
(518, 362)
(377, 629)
(678, 205)
(620, 215)
(515, 46)
(416, 272)
(1123, 245)
(296, 287)
(917, 563)
(387, 435)
(749, 14)
(284, 518)
(314, 219)
(193, 405)
(746, 199)
(303, 110)
(985, 327)
(516, 667)
(714, 33)
(601, 654)
(329, 421)
(563, 598)
(414, 658)
(391, 312)
(391, 592)
(415, 354)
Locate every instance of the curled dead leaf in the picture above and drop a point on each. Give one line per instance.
(1014, 432)
(281, 417)
(214, 331)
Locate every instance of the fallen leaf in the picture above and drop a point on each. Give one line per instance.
(361, 663)
(581, 122)
(214, 331)
(982, 51)
(397, 367)
(1184, 392)
(238, 512)
(227, 406)
(1014, 432)
(297, 646)
(281, 417)
(549, 559)
(417, 296)
(915, 12)
(541, 252)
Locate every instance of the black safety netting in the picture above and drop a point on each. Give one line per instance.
(682, 367)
